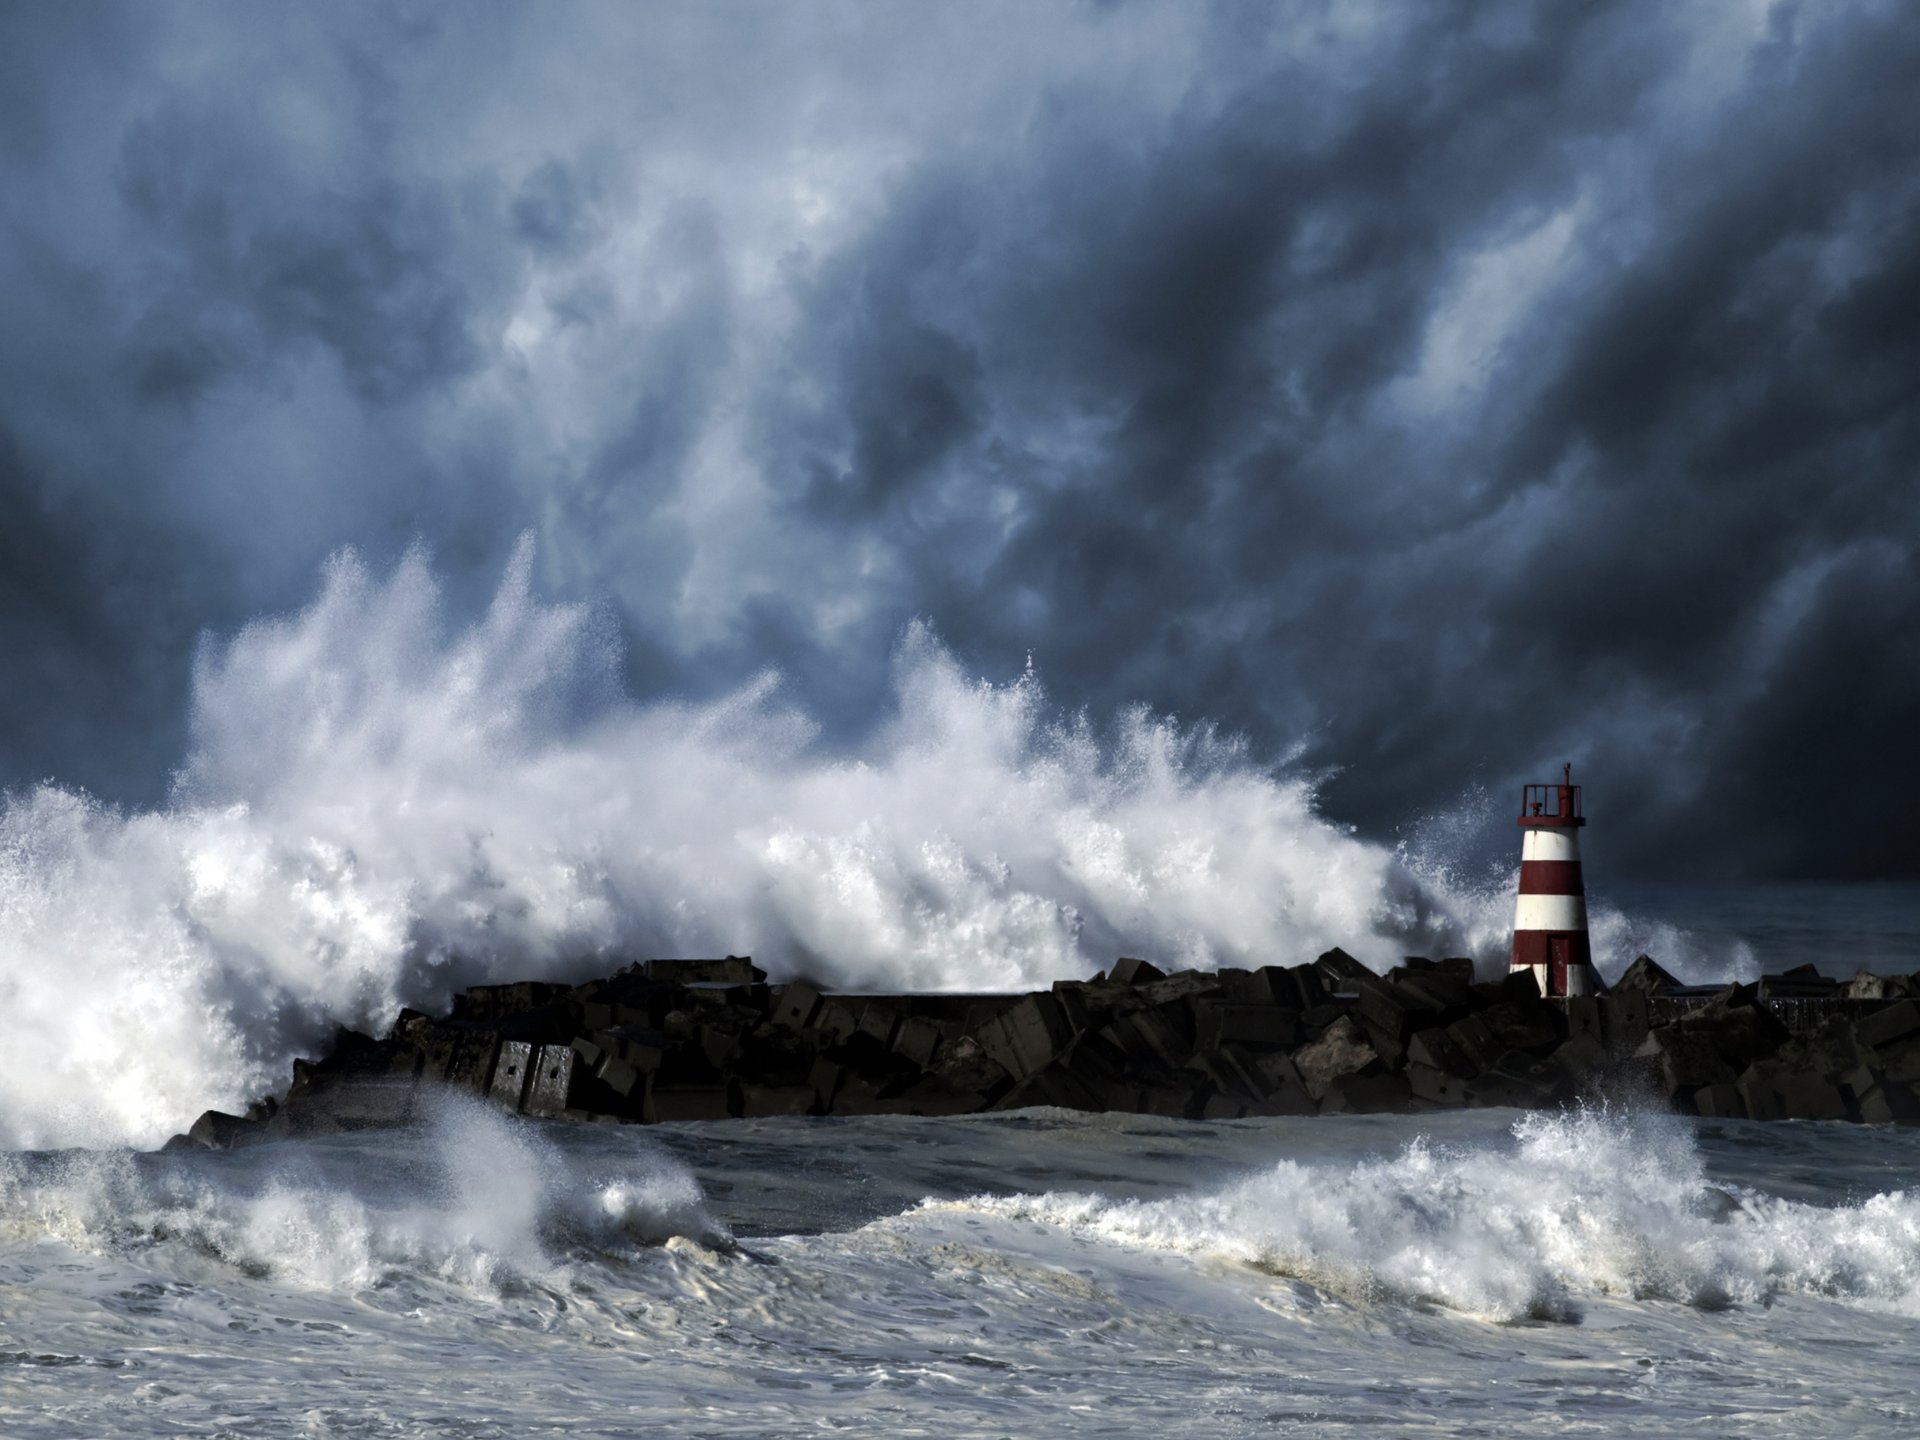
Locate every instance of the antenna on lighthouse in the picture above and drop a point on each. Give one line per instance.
(1550, 920)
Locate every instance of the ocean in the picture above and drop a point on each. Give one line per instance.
(375, 813)
(1474, 1273)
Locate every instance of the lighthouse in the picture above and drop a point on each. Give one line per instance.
(1550, 920)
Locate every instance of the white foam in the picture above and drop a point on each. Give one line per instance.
(375, 812)
(496, 1203)
(1580, 1206)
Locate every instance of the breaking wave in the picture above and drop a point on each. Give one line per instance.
(1580, 1206)
(489, 1205)
(375, 812)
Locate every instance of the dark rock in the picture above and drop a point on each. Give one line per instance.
(1218, 1023)
(493, 1002)
(1367, 1094)
(1883, 1028)
(916, 1040)
(1723, 1102)
(1128, 971)
(1436, 1087)
(1343, 1050)
(1438, 1050)
(732, 970)
(794, 1004)
(1340, 971)
(1687, 1059)
(758, 1099)
(1309, 985)
(1625, 1019)
(668, 1103)
(1514, 986)
(1027, 1037)
(1583, 1018)
(217, 1130)
(1645, 976)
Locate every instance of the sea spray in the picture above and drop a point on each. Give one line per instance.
(1578, 1206)
(483, 1201)
(376, 811)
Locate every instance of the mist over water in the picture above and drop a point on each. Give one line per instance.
(378, 809)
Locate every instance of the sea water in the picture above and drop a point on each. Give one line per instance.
(378, 809)
(1477, 1273)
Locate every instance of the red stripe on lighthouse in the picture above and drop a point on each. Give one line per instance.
(1550, 877)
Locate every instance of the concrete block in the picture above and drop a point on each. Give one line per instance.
(217, 1130)
(1379, 1094)
(1524, 1025)
(731, 970)
(757, 1099)
(1053, 1086)
(1310, 987)
(512, 1073)
(1720, 1102)
(719, 1044)
(836, 1018)
(1340, 971)
(1520, 1082)
(550, 1087)
(1625, 1019)
(880, 1019)
(622, 1078)
(1129, 971)
(931, 1095)
(470, 1064)
(1436, 1087)
(916, 1040)
(1581, 1058)
(1343, 1050)
(1899, 1059)
(794, 1005)
(1076, 1007)
(1686, 1059)
(1221, 1107)
(1437, 1050)
(491, 1002)
(1165, 1032)
(1025, 1039)
(1645, 976)
(1583, 1018)
(824, 1077)
(1884, 1028)
(1217, 1023)
(1388, 1044)
(1473, 1039)
(1269, 985)
(1182, 987)
(1173, 1098)
(669, 1103)
(1514, 986)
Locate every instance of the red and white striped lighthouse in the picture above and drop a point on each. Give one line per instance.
(1550, 922)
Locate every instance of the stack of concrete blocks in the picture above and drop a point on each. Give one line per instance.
(701, 1040)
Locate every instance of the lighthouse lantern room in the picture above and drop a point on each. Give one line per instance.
(1550, 920)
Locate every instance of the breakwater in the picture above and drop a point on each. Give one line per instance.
(668, 1040)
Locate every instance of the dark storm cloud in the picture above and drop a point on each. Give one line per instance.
(1463, 389)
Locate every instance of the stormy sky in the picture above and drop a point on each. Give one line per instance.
(1435, 392)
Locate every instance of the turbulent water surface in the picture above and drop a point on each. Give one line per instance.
(1038, 1273)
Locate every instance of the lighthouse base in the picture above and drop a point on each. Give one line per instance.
(1561, 961)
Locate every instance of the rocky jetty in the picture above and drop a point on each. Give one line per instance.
(711, 1039)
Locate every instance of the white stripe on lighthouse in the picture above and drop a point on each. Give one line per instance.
(1550, 912)
(1550, 845)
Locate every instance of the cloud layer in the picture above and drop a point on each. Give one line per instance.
(1456, 390)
